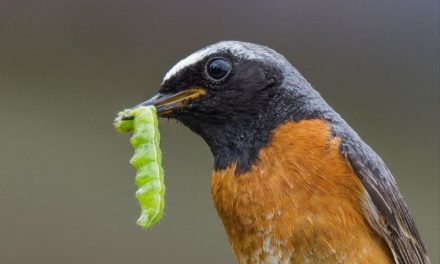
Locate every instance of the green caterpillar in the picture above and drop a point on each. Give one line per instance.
(147, 160)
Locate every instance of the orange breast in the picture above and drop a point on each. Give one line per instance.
(300, 203)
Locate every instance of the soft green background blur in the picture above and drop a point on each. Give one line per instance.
(67, 67)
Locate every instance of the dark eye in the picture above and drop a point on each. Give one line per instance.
(218, 68)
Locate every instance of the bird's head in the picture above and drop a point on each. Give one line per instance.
(233, 94)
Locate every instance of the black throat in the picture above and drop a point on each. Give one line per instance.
(237, 142)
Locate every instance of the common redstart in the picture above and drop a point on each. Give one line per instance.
(292, 181)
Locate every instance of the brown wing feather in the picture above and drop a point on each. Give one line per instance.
(386, 210)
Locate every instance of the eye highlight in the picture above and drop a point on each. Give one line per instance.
(218, 68)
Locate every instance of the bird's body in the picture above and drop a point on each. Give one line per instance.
(300, 203)
(292, 182)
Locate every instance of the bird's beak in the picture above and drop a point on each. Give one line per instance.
(165, 103)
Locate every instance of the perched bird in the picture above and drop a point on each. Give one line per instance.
(292, 182)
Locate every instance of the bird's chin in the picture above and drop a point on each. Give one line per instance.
(193, 123)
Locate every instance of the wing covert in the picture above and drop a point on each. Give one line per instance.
(385, 208)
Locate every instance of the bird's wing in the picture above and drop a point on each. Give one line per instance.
(385, 208)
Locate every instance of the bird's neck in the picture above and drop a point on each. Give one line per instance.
(239, 141)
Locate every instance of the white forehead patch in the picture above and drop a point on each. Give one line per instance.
(240, 49)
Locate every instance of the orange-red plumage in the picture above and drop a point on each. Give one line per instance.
(300, 203)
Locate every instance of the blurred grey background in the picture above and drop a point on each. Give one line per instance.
(67, 67)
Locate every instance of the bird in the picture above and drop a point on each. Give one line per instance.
(292, 182)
